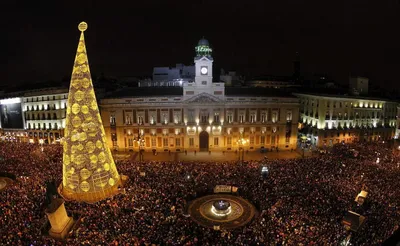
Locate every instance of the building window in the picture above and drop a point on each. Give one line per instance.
(177, 119)
(165, 142)
(262, 140)
(128, 120)
(130, 142)
(177, 142)
(216, 117)
(252, 118)
(140, 120)
(191, 116)
(229, 140)
(241, 118)
(289, 116)
(252, 140)
(274, 117)
(165, 118)
(204, 118)
(204, 82)
(230, 118)
(191, 142)
(153, 142)
(215, 141)
(263, 118)
(112, 120)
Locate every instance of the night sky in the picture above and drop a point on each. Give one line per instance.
(128, 38)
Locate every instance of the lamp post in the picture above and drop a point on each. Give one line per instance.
(140, 141)
(303, 143)
(241, 142)
(41, 141)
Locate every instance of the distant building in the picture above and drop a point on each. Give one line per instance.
(200, 115)
(167, 76)
(44, 113)
(36, 114)
(272, 82)
(231, 78)
(330, 119)
(179, 72)
(358, 86)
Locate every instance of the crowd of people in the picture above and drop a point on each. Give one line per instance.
(300, 202)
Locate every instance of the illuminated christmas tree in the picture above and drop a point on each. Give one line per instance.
(89, 171)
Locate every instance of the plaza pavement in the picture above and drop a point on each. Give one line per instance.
(206, 156)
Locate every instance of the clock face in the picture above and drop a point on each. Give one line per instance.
(204, 70)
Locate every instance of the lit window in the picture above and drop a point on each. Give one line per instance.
(274, 117)
(263, 118)
(289, 116)
(165, 142)
(112, 119)
(230, 118)
(216, 117)
(262, 140)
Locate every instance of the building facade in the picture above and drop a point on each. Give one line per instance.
(44, 114)
(35, 116)
(199, 116)
(329, 119)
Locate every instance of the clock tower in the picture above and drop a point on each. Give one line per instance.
(203, 85)
(203, 64)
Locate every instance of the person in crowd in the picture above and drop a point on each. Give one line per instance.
(302, 202)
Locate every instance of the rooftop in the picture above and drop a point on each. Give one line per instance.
(339, 95)
(147, 91)
(256, 91)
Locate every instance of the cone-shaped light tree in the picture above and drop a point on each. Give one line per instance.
(89, 171)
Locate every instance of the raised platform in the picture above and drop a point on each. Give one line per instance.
(240, 213)
(61, 224)
(92, 197)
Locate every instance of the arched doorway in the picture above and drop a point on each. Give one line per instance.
(203, 141)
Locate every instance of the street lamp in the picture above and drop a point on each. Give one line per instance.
(241, 142)
(41, 141)
(303, 143)
(140, 141)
